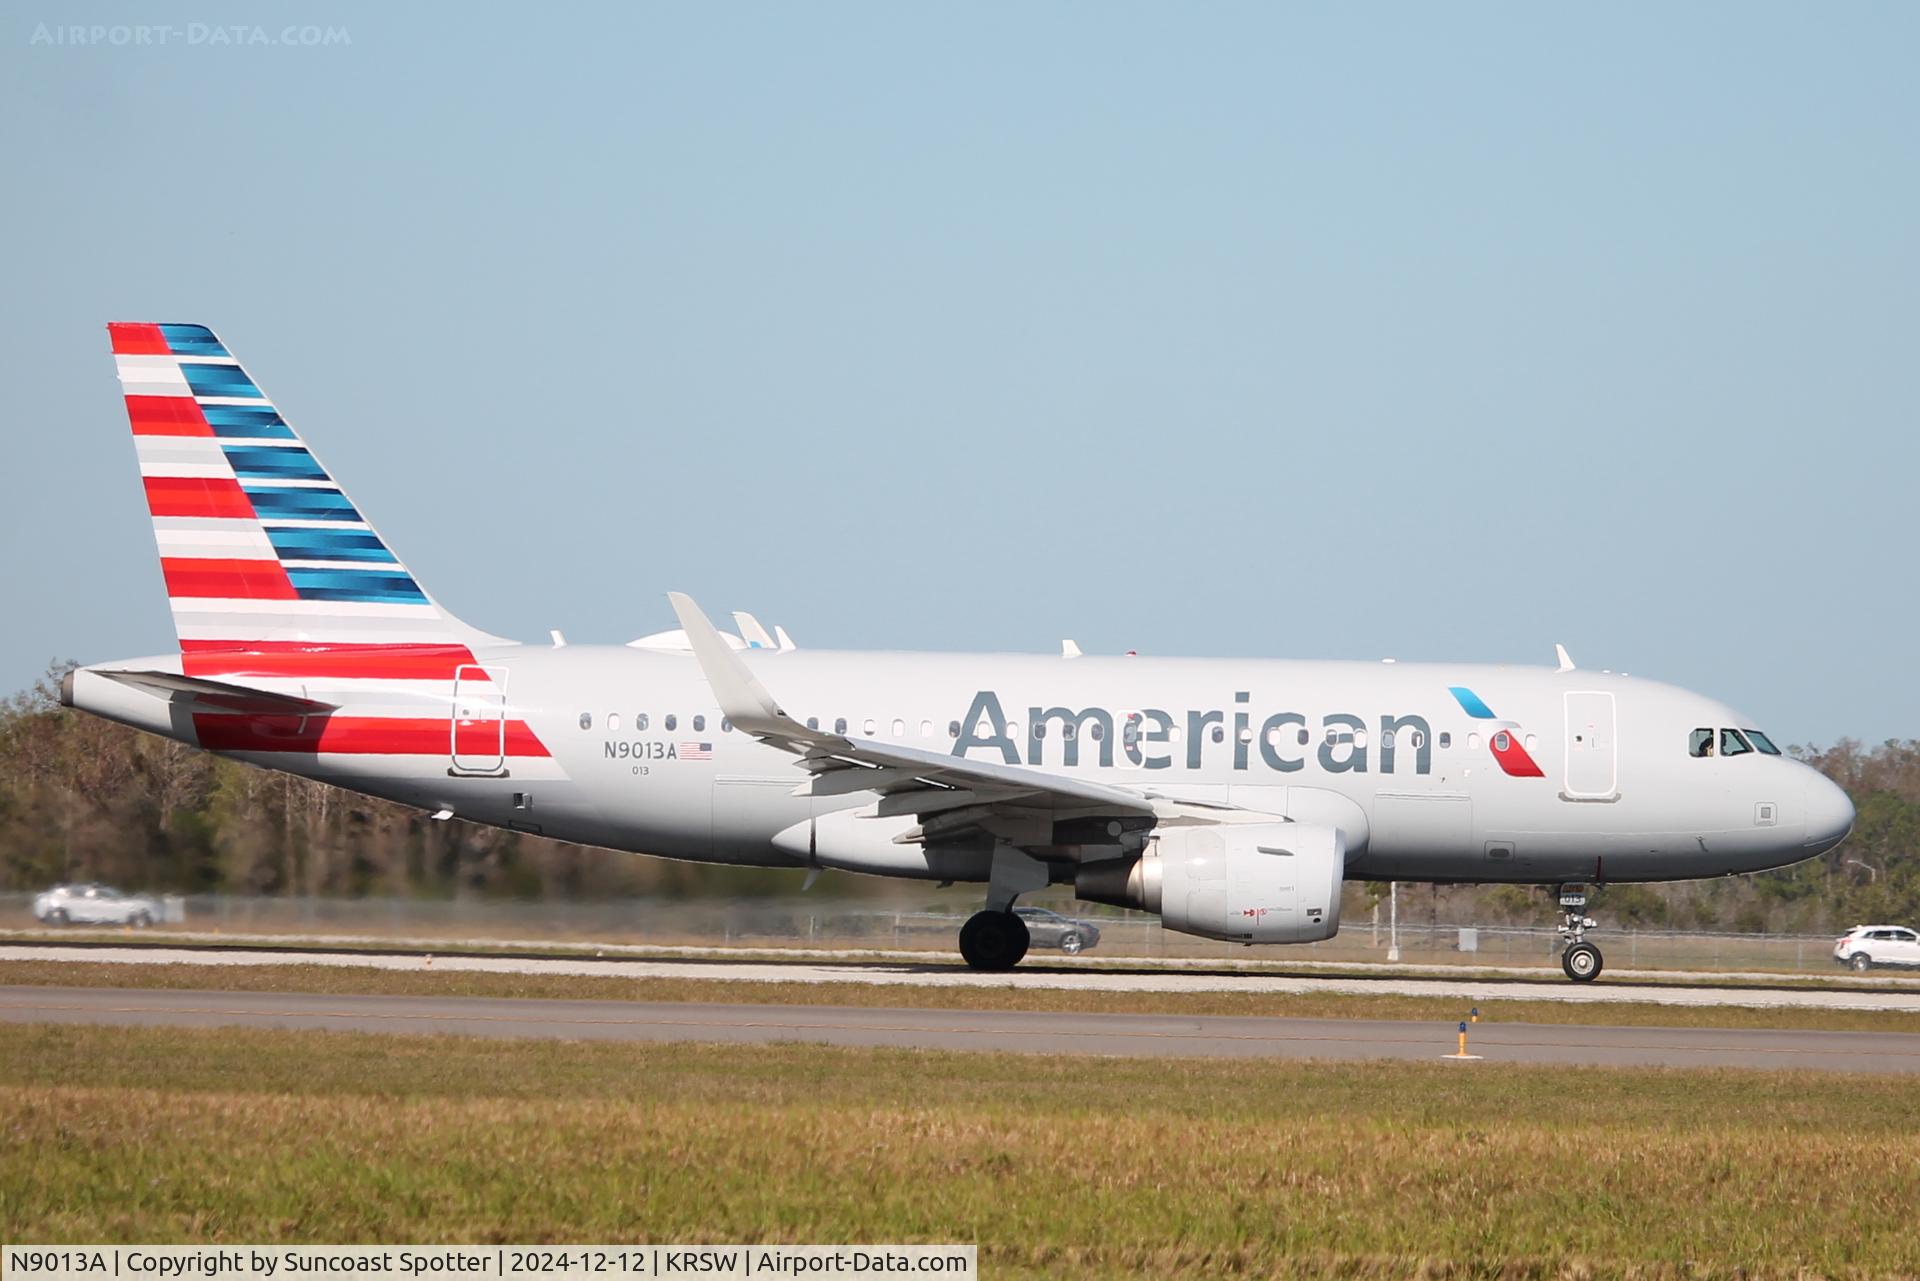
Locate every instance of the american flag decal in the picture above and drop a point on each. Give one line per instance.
(696, 751)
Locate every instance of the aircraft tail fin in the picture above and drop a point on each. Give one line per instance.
(260, 548)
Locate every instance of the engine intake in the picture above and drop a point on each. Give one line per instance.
(1244, 883)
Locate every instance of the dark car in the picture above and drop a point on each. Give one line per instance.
(1050, 929)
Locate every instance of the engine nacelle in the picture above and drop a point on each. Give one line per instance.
(1244, 883)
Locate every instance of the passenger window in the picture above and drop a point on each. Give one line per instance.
(1501, 742)
(839, 724)
(926, 729)
(640, 722)
(1763, 743)
(1303, 736)
(1700, 743)
(670, 721)
(953, 729)
(1097, 730)
(1473, 742)
(1386, 740)
(813, 722)
(1416, 739)
(899, 729)
(1068, 729)
(613, 722)
(1013, 729)
(1733, 744)
(699, 723)
(1219, 735)
(1039, 729)
(1446, 739)
(586, 720)
(868, 727)
(726, 725)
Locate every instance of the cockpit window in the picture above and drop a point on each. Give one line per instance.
(1700, 743)
(1734, 743)
(1762, 742)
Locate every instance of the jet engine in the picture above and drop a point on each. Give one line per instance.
(1244, 883)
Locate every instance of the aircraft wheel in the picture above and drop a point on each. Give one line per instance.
(1861, 962)
(993, 940)
(1581, 962)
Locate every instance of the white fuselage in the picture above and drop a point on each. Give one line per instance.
(634, 754)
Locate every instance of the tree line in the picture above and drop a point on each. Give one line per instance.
(85, 799)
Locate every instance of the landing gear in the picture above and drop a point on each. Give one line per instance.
(1581, 960)
(993, 940)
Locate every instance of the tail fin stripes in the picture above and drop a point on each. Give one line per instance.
(259, 545)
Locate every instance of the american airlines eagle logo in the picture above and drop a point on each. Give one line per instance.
(1503, 737)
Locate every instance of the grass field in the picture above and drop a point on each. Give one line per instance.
(1012, 996)
(1054, 1166)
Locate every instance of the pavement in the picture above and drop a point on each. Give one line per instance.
(1079, 973)
(1020, 1032)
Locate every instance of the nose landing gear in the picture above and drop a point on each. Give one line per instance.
(1581, 960)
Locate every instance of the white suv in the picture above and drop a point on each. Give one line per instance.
(1866, 946)
(94, 905)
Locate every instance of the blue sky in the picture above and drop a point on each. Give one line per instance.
(1336, 331)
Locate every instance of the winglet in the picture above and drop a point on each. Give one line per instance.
(751, 631)
(742, 698)
(1069, 650)
(786, 642)
(1566, 662)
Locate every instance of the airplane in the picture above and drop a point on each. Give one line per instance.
(1230, 797)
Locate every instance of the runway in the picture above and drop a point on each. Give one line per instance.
(1019, 1032)
(759, 966)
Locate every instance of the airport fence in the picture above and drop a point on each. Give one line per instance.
(860, 925)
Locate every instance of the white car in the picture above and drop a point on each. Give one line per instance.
(1866, 946)
(94, 905)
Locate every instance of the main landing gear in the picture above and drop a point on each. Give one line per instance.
(1581, 959)
(993, 940)
(996, 939)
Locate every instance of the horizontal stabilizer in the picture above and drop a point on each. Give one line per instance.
(201, 695)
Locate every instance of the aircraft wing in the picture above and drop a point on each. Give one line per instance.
(947, 792)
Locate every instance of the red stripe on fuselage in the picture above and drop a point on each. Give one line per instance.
(227, 579)
(166, 416)
(137, 340)
(346, 735)
(304, 660)
(197, 496)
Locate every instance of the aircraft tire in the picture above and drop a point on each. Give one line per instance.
(993, 940)
(1582, 962)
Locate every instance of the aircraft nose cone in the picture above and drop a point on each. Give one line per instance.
(1829, 814)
